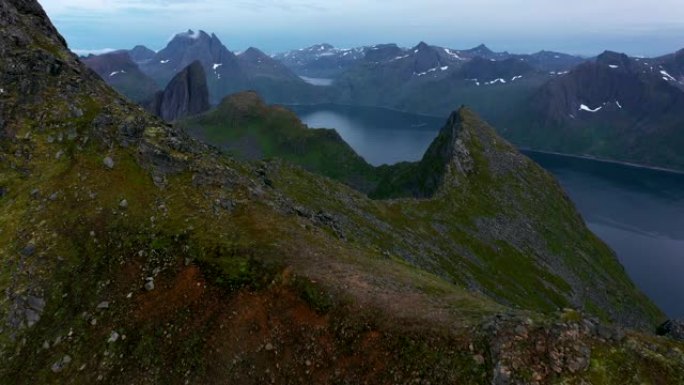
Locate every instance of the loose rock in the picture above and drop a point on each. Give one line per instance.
(61, 364)
(108, 162)
(113, 337)
(149, 285)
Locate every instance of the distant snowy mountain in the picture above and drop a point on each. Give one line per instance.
(227, 72)
(321, 60)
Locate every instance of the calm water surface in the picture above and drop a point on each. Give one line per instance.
(638, 212)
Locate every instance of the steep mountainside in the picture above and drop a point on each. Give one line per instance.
(673, 67)
(133, 254)
(615, 107)
(463, 168)
(186, 95)
(120, 72)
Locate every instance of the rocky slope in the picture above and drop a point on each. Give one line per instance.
(186, 95)
(134, 254)
(120, 71)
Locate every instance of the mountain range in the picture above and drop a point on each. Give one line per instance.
(133, 253)
(612, 106)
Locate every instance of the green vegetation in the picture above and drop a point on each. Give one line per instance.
(245, 127)
(151, 258)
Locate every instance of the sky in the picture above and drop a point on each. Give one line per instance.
(586, 27)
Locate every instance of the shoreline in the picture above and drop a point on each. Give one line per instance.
(520, 148)
(603, 160)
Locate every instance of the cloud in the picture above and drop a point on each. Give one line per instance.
(86, 52)
(587, 26)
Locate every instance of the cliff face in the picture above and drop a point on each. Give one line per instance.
(186, 95)
(132, 253)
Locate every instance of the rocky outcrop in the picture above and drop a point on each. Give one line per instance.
(186, 95)
(673, 329)
(447, 160)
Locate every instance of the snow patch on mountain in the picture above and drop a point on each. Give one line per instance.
(452, 53)
(667, 76)
(584, 107)
(495, 81)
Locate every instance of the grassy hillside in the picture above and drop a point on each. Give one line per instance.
(484, 183)
(134, 254)
(244, 126)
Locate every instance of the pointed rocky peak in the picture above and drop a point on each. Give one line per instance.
(615, 60)
(140, 53)
(422, 46)
(382, 52)
(186, 95)
(449, 149)
(253, 54)
(448, 161)
(482, 50)
(191, 38)
(192, 35)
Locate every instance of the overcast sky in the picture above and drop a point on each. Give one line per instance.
(638, 27)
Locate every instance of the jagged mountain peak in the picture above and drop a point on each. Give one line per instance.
(192, 35)
(141, 53)
(482, 48)
(421, 46)
(254, 53)
(614, 59)
(448, 162)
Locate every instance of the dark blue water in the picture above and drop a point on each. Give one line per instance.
(639, 212)
(378, 135)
